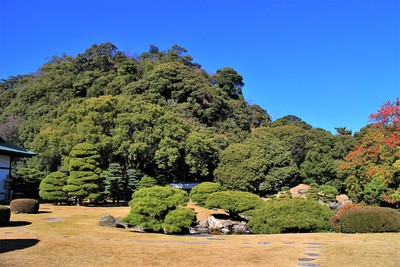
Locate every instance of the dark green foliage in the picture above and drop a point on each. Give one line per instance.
(27, 182)
(114, 183)
(4, 215)
(235, 202)
(24, 205)
(262, 164)
(201, 192)
(328, 193)
(230, 81)
(312, 192)
(178, 220)
(370, 220)
(290, 216)
(147, 182)
(162, 115)
(51, 187)
(84, 181)
(132, 180)
(150, 206)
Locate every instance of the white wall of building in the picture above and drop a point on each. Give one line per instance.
(4, 161)
(4, 171)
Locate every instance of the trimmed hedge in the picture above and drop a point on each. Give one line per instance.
(370, 220)
(4, 215)
(334, 221)
(290, 216)
(200, 193)
(24, 205)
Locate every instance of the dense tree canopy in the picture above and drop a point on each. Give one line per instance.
(372, 169)
(161, 115)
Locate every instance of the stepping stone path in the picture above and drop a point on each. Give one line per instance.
(215, 238)
(310, 251)
(264, 243)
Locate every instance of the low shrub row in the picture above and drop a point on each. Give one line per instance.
(370, 220)
(290, 216)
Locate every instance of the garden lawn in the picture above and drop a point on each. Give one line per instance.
(70, 236)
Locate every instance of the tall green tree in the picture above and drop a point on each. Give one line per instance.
(131, 182)
(84, 182)
(114, 183)
(261, 165)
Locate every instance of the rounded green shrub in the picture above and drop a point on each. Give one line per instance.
(147, 182)
(370, 220)
(178, 220)
(4, 215)
(51, 186)
(235, 202)
(24, 205)
(150, 206)
(290, 216)
(201, 192)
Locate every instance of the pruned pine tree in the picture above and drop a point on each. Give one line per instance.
(84, 182)
(51, 187)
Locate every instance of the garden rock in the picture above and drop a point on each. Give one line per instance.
(121, 224)
(203, 223)
(226, 231)
(343, 199)
(299, 191)
(227, 225)
(241, 229)
(108, 220)
(202, 230)
(213, 223)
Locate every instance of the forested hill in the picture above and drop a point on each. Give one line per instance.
(163, 115)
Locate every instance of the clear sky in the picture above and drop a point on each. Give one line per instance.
(331, 63)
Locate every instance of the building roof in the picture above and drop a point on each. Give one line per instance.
(12, 150)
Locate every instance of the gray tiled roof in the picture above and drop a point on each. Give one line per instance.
(12, 150)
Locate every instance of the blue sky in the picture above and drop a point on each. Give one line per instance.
(331, 63)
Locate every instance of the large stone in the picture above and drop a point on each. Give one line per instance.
(299, 191)
(202, 230)
(226, 231)
(203, 223)
(227, 225)
(213, 223)
(241, 229)
(343, 199)
(121, 224)
(108, 220)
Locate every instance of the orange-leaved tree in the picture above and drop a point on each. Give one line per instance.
(372, 169)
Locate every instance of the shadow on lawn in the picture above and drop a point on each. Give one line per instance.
(17, 223)
(7, 245)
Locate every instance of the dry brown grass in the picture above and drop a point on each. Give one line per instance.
(77, 240)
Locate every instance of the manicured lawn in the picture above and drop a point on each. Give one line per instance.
(70, 236)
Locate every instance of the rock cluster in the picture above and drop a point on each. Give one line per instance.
(214, 226)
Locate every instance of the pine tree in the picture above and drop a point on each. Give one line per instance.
(51, 186)
(114, 184)
(84, 181)
(132, 180)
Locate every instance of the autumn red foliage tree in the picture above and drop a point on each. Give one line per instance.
(372, 169)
